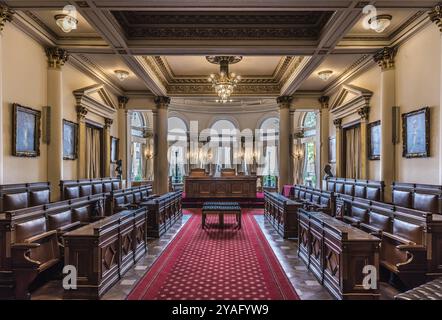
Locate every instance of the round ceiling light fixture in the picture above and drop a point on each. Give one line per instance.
(121, 74)
(380, 23)
(325, 75)
(68, 20)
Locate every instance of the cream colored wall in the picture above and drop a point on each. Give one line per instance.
(417, 86)
(24, 65)
(24, 82)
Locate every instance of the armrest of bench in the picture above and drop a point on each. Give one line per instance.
(20, 255)
(69, 227)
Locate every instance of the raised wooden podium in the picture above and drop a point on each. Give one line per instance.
(220, 187)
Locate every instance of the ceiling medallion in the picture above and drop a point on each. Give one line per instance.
(68, 20)
(224, 82)
(380, 22)
(325, 75)
(121, 74)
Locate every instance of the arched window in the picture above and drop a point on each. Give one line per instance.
(223, 143)
(268, 159)
(177, 153)
(138, 145)
(309, 126)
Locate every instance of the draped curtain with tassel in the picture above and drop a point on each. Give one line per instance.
(352, 151)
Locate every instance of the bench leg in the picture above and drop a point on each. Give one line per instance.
(23, 278)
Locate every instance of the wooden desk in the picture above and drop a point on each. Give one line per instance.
(220, 187)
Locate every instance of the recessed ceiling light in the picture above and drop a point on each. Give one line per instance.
(121, 74)
(325, 75)
(380, 22)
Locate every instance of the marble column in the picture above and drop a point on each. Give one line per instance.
(339, 148)
(161, 163)
(324, 118)
(107, 146)
(291, 149)
(385, 60)
(124, 135)
(436, 17)
(56, 59)
(81, 118)
(5, 16)
(364, 113)
(284, 140)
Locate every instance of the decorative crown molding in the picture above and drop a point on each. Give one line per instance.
(122, 102)
(284, 101)
(436, 15)
(57, 57)
(81, 112)
(162, 102)
(338, 123)
(324, 101)
(385, 57)
(108, 123)
(364, 112)
(87, 98)
(5, 16)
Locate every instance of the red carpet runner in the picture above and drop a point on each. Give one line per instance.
(216, 264)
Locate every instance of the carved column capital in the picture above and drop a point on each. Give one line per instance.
(57, 57)
(284, 101)
(5, 16)
(108, 123)
(364, 113)
(338, 123)
(436, 16)
(122, 102)
(162, 102)
(81, 113)
(324, 100)
(385, 58)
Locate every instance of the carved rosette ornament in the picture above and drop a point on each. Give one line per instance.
(5, 16)
(57, 57)
(162, 102)
(436, 15)
(364, 113)
(122, 102)
(108, 123)
(81, 113)
(324, 100)
(385, 58)
(338, 123)
(284, 101)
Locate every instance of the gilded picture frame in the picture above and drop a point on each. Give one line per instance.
(26, 131)
(374, 140)
(114, 150)
(416, 133)
(70, 140)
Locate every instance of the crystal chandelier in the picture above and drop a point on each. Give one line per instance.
(224, 83)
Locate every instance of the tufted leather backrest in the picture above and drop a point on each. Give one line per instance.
(71, 193)
(426, 202)
(29, 229)
(409, 231)
(379, 221)
(373, 193)
(59, 220)
(85, 190)
(402, 198)
(37, 198)
(81, 214)
(360, 213)
(360, 191)
(97, 188)
(15, 201)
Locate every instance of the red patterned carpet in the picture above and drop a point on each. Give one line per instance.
(216, 264)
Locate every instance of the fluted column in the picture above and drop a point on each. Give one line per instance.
(364, 113)
(284, 140)
(56, 59)
(385, 60)
(324, 118)
(436, 17)
(161, 163)
(339, 148)
(124, 135)
(5, 16)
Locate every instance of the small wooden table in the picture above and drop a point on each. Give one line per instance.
(221, 208)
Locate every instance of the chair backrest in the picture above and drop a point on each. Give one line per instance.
(72, 189)
(19, 196)
(418, 196)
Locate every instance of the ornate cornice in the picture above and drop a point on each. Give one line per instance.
(108, 123)
(338, 123)
(324, 100)
(57, 57)
(385, 57)
(162, 102)
(284, 101)
(81, 112)
(436, 16)
(364, 113)
(5, 16)
(122, 102)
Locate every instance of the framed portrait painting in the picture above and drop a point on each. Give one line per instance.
(332, 150)
(374, 140)
(416, 133)
(70, 140)
(26, 131)
(114, 149)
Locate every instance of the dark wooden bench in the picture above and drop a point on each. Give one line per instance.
(24, 195)
(314, 199)
(131, 198)
(281, 212)
(162, 213)
(422, 197)
(72, 189)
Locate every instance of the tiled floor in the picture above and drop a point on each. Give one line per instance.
(305, 284)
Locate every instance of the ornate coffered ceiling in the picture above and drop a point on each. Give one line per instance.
(152, 38)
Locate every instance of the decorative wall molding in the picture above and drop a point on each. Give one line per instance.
(57, 57)
(435, 16)
(351, 100)
(6, 15)
(385, 57)
(89, 103)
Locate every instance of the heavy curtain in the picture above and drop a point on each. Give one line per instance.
(93, 153)
(352, 153)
